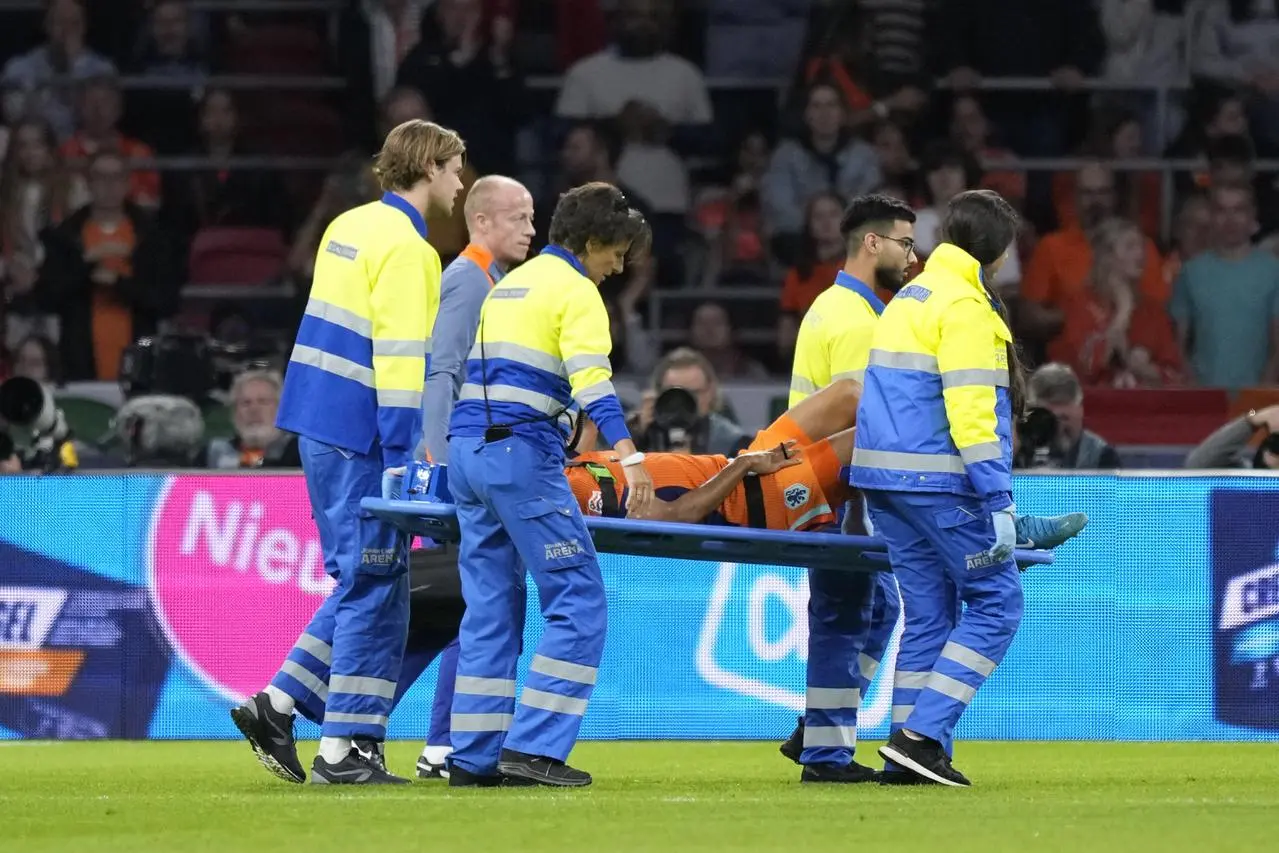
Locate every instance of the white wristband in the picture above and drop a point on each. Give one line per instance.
(633, 459)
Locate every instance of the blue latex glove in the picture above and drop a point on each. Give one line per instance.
(1037, 531)
(392, 483)
(1005, 521)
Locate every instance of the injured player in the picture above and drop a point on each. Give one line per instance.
(787, 479)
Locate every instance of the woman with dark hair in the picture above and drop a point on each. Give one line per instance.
(541, 355)
(934, 457)
(947, 171)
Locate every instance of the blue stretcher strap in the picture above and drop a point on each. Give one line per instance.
(684, 541)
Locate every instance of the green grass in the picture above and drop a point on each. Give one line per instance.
(1089, 797)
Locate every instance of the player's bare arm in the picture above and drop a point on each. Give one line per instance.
(693, 506)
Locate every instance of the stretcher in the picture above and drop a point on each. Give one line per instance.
(676, 541)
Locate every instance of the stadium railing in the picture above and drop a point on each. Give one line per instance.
(1163, 94)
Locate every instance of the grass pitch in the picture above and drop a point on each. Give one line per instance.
(1092, 797)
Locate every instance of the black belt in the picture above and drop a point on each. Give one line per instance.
(755, 514)
(608, 488)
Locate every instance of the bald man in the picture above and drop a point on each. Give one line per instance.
(499, 219)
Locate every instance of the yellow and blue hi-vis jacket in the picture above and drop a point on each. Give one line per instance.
(834, 338)
(358, 368)
(541, 352)
(935, 413)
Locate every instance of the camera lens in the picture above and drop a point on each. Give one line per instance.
(1038, 428)
(21, 400)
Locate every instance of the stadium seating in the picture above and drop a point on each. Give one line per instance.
(245, 256)
(1155, 416)
(88, 419)
(277, 49)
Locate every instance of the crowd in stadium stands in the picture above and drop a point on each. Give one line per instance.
(1130, 280)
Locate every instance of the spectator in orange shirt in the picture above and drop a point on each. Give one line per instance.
(1058, 270)
(842, 53)
(1112, 335)
(821, 257)
(1115, 135)
(110, 272)
(729, 218)
(100, 108)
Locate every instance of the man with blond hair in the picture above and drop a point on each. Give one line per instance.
(353, 395)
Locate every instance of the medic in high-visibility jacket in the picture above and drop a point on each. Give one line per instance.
(541, 352)
(353, 395)
(851, 616)
(933, 456)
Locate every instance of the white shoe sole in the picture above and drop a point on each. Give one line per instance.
(431, 771)
(888, 753)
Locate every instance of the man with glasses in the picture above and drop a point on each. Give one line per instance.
(850, 616)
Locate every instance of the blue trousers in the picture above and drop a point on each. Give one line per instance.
(343, 670)
(945, 656)
(513, 500)
(850, 621)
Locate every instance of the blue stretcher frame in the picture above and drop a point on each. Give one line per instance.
(677, 541)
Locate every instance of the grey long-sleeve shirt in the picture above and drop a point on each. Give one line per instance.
(1225, 448)
(463, 287)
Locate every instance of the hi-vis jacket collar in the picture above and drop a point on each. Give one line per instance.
(949, 259)
(954, 260)
(567, 257)
(407, 209)
(862, 289)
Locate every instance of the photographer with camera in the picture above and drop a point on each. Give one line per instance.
(1228, 446)
(1052, 434)
(678, 412)
(29, 405)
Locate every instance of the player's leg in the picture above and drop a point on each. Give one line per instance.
(838, 623)
(925, 596)
(371, 626)
(555, 545)
(492, 626)
(831, 410)
(302, 684)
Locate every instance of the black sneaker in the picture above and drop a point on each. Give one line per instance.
(459, 778)
(903, 777)
(355, 769)
(794, 745)
(542, 771)
(270, 733)
(849, 773)
(372, 751)
(925, 757)
(427, 770)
